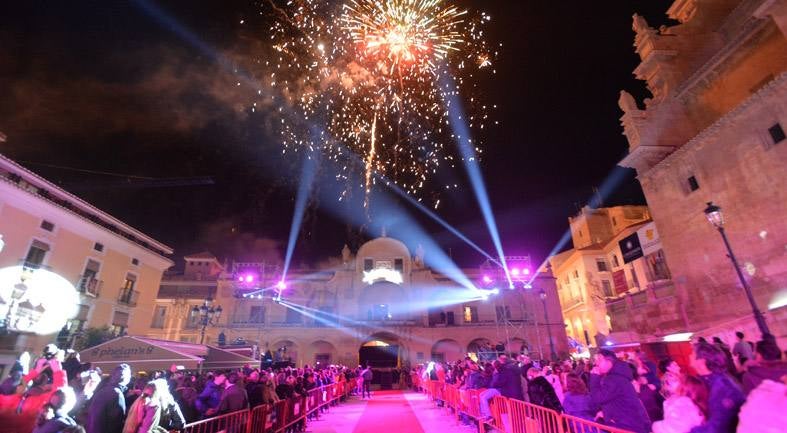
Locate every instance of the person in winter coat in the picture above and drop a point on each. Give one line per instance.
(686, 406)
(541, 392)
(647, 393)
(725, 397)
(576, 402)
(268, 389)
(186, 397)
(107, 410)
(506, 379)
(367, 375)
(612, 393)
(767, 364)
(476, 379)
(234, 397)
(554, 380)
(54, 415)
(145, 413)
(210, 397)
(254, 389)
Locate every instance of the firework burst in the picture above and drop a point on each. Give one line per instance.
(369, 73)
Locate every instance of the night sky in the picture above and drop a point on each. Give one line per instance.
(103, 97)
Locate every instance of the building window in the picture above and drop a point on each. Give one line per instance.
(192, 320)
(576, 273)
(130, 282)
(399, 265)
(470, 314)
(135, 262)
(503, 313)
(606, 286)
(368, 265)
(657, 265)
(89, 279)
(257, 314)
(615, 261)
(777, 133)
(119, 323)
(601, 265)
(77, 323)
(98, 247)
(614, 221)
(36, 254)
(48, 226)
(159, 316)
(693, 184)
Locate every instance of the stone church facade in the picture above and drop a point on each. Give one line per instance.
(379, 295)
(714, 130)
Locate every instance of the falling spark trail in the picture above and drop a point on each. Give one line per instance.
(369, 162)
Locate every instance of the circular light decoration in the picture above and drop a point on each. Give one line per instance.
(36, 300)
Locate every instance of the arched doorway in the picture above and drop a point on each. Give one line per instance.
(383, 352)
(323, 353)
(447, 350)
(284, 351)
(380, 350)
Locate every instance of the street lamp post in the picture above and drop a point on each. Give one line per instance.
(543, 295)
(206, 315)
(715, 217)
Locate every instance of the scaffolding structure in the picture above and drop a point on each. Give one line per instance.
(522, 274)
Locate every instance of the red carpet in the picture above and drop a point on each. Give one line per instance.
(388, 412)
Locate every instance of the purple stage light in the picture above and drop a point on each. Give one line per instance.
(526, 271)
(240, 278)
(515, 271)
(487, 279)
(281, 285)
(249, 278)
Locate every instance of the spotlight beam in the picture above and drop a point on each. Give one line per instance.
(169, 23)
(418, 205)
(301, 198)
(466, 149)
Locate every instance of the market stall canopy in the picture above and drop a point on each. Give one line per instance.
(148, 354)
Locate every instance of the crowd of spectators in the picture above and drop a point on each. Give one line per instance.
(64, 395)
(720, 390)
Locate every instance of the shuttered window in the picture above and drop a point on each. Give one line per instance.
(120, 319)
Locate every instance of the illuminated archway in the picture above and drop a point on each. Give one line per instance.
(381, 350)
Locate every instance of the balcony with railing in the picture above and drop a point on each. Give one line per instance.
(128, 297)
(32, 265)
(89, 286)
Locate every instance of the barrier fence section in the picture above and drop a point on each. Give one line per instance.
(234, 422)
(282, 416)
(509, 415)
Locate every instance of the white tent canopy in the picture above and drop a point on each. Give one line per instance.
(148, 354)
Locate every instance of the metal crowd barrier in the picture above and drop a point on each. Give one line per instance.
(510, 415)
(234, 422)
(280, 417)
